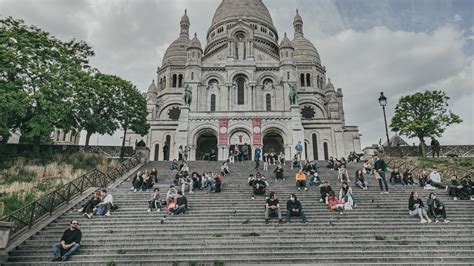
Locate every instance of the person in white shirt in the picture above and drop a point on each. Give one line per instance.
(435, 179)
(107, 203)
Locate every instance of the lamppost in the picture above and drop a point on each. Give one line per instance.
(383, 103)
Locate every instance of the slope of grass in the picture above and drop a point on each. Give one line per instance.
(24, 179)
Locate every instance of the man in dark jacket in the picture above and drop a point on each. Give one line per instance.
(69, 244)
(324, 190)
(294, 208)
(380, 166)
(435, 147)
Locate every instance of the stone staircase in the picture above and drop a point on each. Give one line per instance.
(213, 232)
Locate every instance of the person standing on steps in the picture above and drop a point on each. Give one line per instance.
(272, 206)
(417, 208)
(379, 171)
(258, 153)
(69, 243)
(294, 208)
(301, 180)
(435, 147)
(245, 152)
(299, 150)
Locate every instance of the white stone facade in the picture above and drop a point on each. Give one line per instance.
(244, 74)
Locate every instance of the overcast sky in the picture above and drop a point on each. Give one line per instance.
(368, 46)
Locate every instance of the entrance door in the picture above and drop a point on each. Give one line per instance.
(206, 144)
(273, 143)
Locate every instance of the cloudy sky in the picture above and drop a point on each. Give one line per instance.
(368, 46)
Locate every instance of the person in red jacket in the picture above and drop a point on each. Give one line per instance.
(334, 203)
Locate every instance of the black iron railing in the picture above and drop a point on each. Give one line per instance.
(24, 218)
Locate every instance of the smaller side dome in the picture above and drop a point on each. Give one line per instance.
(285, 43)
(152, 87)
(329, 87)
(195, 43)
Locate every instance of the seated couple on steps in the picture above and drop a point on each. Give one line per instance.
(436, 208)
(101, 204)
(293, 208)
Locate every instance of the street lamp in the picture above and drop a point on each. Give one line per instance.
(383, 103)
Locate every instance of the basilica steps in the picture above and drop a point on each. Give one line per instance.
(229, 227)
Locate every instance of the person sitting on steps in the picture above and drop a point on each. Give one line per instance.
(154, 202)
(408, 178)
(181, 204)
(294, 208)
(172, 194)
(367, 167)
(396, 177)
(436, 208)
(90, 205)
(279, 173)
(331, 163)
(423, 178)
(307, 168)
(272, 206)
(174, 165)
(334, 203)
(467, 187)
(225, 169)
(137, 182)
(455, 187)
(417, 208)
(343, 174)
(187, 181)
(69, 243)
(434, 179)
(314, 180)
(301, 180)
(259, 186)
(325, 190)
(345, 193)
(360, 179)
(106, 204)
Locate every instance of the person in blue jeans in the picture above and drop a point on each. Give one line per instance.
(69, 244)
(380, 167)
(258, 153)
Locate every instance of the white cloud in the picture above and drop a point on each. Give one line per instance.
(457, 17)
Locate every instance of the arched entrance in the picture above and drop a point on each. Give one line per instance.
(206, 144)
(238, 140)
(157, 151)
(273, 143)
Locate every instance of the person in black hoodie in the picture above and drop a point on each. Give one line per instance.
(294, 208)
(408, 178)
(417, 208)
(436, 208)
(259, 186)
(467, 185)
(380, 167)
(455, 187)
(324, 190)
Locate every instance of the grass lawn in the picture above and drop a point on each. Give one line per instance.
(23, 180)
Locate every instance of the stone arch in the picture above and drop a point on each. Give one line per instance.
(317, 106)
(244, 73)
(167, 107)
(273, 140)
(260, 78)
(275, 126)
(210, 76)
(206, 141)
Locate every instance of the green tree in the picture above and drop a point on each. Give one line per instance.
(422, 115)
(130, 106)
(95, 104)
(37, 77)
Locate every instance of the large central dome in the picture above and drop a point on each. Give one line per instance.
(231, 9)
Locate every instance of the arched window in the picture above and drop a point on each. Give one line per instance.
(288, 75)
(268, 101)
(64, 135)
(180, 81)
(240, 91)
(57, 135)
(317, 82)
(192, 75)
(286, 53)
(315, 147)
(213, 103)
(302, 80)
(326, 151)
(308, 80)
(164, 82)
(306, 150)
(175, 80)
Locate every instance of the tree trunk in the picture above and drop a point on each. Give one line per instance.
(122, 150)
(88, 137)
(36, 144)
(423, 147)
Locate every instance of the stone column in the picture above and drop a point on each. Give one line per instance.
(4, 238)
(182, 130)
(223, 153)
(297, 128)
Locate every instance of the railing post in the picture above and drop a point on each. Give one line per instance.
(68, 194)
(32, 215)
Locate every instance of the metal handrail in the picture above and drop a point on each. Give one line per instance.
(27, 216)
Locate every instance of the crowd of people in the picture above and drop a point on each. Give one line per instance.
(174, 201)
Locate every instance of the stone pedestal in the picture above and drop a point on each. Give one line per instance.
(296, 129)
(182, 130)
(4, 238)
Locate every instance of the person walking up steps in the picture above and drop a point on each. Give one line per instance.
(379, 171)
(258, 153)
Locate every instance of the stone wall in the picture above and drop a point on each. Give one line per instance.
(445, 150)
